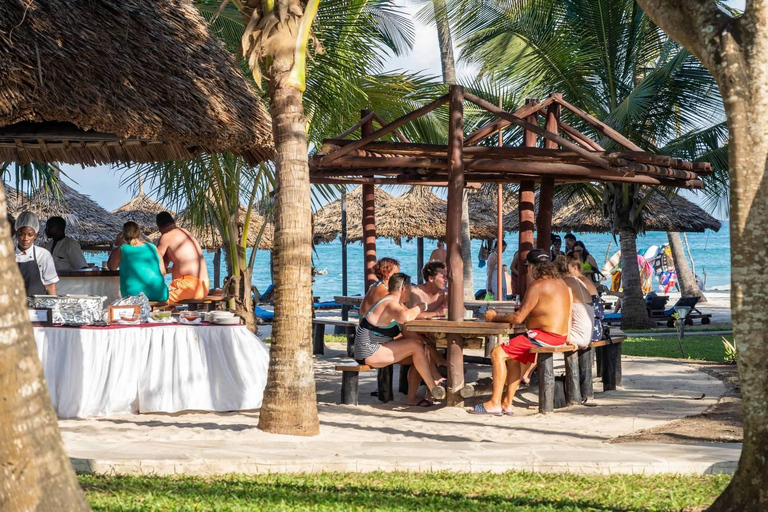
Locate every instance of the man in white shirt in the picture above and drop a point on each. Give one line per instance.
(35, 263)
(66, 252)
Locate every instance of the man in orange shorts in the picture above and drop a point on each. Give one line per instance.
(178, 247)
(546, 311)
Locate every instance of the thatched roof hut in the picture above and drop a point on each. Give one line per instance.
(483, 213)
(210, 239)
(660, 214)
(129, 81)
(13, 198)
(326, 222)
(87, 222)
(142, 210)
(418, 213)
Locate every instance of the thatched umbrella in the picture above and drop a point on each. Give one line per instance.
(660, 214)
(418, 213)
(483, 214)
(93, 227)
(131, 81)
(142, 210)
(210, 239)
(327, 221)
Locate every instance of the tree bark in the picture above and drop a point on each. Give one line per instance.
(735, 51)
(633, 312)
(35, 472)
(290, 404)
(685, 278)
(446, 43)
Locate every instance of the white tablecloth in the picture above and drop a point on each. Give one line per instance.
(99, 372)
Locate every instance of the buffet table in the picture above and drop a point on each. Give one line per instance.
(101, 371)
(103, 283)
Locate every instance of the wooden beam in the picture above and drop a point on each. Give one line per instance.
(600, 126)
(533, 128)
(547, 188)
(579, 137)
(486, 131)
(383, 123)
(394, 125)
(355, 126)
(455, 262)
(526, 205)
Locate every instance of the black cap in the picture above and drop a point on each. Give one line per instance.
(537, 256)
(555, 238)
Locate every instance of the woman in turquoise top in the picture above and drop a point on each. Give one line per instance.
(141, 269)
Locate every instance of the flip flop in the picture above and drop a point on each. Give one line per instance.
(423, 403)
(507, 413)
(481, 411)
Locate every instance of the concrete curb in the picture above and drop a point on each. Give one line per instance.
(601, 459)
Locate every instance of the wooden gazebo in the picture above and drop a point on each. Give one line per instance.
(566, 155)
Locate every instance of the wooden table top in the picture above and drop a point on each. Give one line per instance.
(467, 328)
(493, 304)
(349, 300)
(89, 273)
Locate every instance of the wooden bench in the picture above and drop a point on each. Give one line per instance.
(210, 302)
(350, 377)
(318, 333)
(578, 370)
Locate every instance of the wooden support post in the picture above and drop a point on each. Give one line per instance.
(572, 389)
(547, 188)
(526, 213)
(419, 259)
(384, 380)
(611, 366)
(455, 263)
(349, 384)
(318, 339)
(599, 356)
(500, 278)
(217, 270)
(546, 384)
(345, 274)
(482, 387)
(585, 374)
(369, 216)
(403, 386)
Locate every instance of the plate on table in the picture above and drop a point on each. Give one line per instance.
(227, 321)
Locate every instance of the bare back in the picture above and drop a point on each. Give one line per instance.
(547, 306)
(179, 247)
(581, 288)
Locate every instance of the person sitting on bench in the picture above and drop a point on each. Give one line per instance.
(582, 291)
(432, 294)
(177, 247)
(379, 341)
(546, 311)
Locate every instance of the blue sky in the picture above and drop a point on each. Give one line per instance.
(103, 183)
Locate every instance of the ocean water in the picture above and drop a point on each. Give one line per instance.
(710, 251)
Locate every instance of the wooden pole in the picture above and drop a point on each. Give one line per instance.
(217, 270)
(419, 259)
(547, 188)
(369, 215)
(500, 232)
(455, 263)
(526, 214)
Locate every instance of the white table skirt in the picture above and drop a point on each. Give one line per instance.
(99, 372)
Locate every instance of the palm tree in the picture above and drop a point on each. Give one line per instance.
(32, 456)
(348, 39)
(610, 60)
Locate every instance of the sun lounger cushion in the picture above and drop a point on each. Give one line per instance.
(263, 314)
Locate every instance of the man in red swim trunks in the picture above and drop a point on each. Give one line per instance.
(546, 311)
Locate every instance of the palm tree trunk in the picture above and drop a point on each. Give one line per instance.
(35, 472)
(290, 405)
(633, 312)
(685, 278)
(445, 41)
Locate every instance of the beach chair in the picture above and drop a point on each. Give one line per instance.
(263, 314)
(693, 315)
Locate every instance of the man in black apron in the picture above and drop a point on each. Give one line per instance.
(35, 263)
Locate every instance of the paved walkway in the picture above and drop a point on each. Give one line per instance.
(391, 436)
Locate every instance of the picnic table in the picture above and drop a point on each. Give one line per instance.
(349, 300)
(357, 300)
(456, 332)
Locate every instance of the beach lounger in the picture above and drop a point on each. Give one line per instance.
(263, 314)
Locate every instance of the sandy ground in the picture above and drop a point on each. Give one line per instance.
(393, 436)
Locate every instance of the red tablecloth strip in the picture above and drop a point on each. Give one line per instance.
(140, 326)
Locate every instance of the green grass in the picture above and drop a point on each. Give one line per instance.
(650, 332)
(706, 348)
(403, 492)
